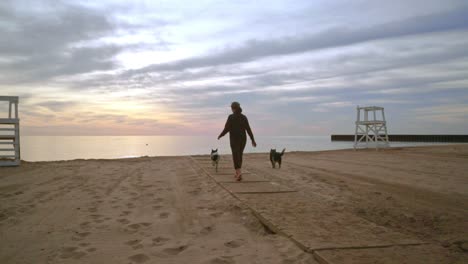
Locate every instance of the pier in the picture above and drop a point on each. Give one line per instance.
(412, 138)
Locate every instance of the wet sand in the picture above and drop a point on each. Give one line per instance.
(343, 206)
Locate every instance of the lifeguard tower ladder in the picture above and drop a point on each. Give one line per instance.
(371, 129)
(9, 133)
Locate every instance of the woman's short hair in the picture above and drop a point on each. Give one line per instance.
(236, 107)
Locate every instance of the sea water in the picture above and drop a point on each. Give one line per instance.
(51, 148)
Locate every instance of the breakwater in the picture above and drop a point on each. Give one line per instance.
(412, 138)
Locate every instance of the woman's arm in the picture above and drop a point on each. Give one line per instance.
(227, 128)
(249, 131)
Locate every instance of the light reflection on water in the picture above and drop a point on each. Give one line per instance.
(49, 148)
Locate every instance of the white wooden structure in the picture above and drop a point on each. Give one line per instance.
(9, 133)
(371, 127)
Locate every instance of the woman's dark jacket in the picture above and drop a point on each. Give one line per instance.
(237, 124)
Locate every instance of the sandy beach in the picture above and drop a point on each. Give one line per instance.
(400, 205)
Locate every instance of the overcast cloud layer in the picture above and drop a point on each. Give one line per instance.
(173, 67)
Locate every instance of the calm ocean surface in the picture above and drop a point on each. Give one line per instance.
(50, 148)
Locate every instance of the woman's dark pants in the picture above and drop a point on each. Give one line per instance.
(237, 148)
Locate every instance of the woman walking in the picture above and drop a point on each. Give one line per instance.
(237, 124)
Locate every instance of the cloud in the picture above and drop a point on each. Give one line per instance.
(73, 61)
(57, 106)
(48, 40)
(54, 25)
(455, 19)
(390, 69)
(450, 114)
(300, 64)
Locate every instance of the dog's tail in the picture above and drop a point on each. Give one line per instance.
(282, 152)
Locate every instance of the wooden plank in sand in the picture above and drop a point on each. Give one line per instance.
(221, 171)
(416, 254)
(318, 225)
(229, 178)
(224, 171)
(256, 187)
(208, 159)
(221, 164)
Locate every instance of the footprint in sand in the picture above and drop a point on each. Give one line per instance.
(134, 226)
(123, 221)
(163, 215)
(159, 241)
(68, 249)
(175, 250)
(222, 260)
(98, 221)
(95, 216)
(196, 191)
(234, 243)
(84, 224)
(159, 200)
(139, 258)
(137, 246)
(71, 252)
(125, 213)
(216, 214)
(135, 243)
(157, 207)
(83, 234)
(91, 249)
(207, 229)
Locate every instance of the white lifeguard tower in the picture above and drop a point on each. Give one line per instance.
(371, 130)
(9, 133)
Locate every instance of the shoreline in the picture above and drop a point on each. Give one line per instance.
(426, 145)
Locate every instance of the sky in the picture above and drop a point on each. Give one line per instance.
(173, 67)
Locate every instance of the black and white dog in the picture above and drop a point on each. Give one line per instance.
(276, 157)
(215, 158)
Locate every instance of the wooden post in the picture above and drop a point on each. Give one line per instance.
(16, 108)
(358, 118)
